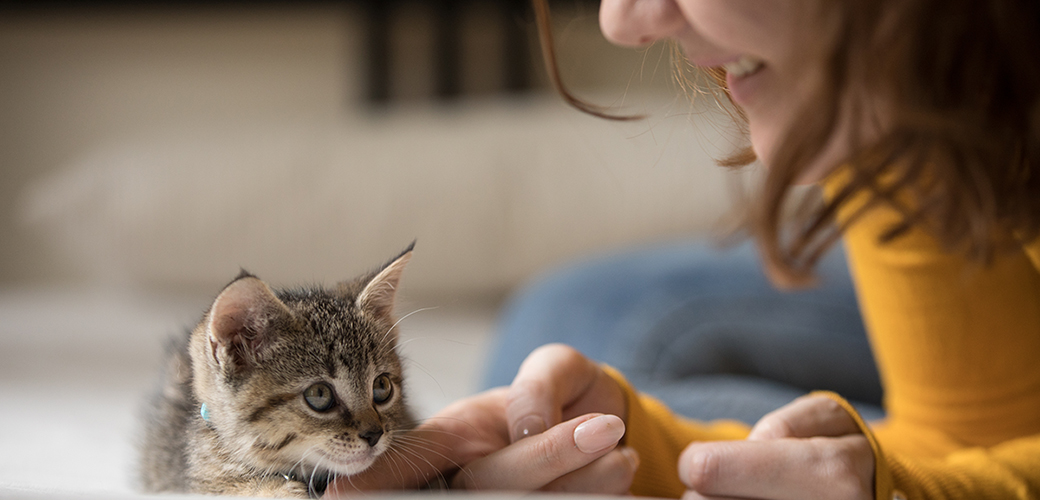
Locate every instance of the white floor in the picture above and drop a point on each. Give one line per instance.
(75, 364)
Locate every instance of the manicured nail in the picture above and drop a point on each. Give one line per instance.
(599, 433)
(632, 456)
(527, 427)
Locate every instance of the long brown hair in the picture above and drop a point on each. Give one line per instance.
(961, 138)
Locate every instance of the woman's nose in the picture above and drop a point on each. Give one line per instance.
(639, 22)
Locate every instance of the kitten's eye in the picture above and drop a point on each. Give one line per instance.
(319, 397)
(382, 389)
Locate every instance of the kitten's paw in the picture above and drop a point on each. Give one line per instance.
(279, 487)
(295, 489)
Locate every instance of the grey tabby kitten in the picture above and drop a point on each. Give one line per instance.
(274, 393)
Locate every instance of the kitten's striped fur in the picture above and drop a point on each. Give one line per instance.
(250, 360)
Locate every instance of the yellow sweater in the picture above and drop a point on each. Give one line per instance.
(958, 348)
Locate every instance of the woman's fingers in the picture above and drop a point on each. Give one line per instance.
(796, 468)
(693, 495)
(810, 448)
(611, 474)
(547, 379)
(533, 463)
(473, 436)
(807, 416)
(556, 382)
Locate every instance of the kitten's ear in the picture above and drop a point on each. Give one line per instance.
(243, 320)
(379, 293)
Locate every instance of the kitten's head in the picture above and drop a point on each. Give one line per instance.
(303, 379)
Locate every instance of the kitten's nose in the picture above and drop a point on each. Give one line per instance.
(372, 436)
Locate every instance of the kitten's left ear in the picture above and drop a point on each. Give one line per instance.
(379, 293)
(244, 320)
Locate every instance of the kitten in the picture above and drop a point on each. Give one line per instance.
(276, 392)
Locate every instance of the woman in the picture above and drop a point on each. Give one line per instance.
(921, 120)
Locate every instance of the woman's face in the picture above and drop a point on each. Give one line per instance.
(762, 44)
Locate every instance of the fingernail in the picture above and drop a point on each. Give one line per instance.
(527, 427)
(599, 433)
(632, 456)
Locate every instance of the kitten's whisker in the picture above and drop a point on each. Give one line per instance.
(427, 372)
(266, 474)
(425, 445)
(460, 469)
(439, 473)
(314, 470)
(303, 456)
(393, 461)
(410, 438)
(425, 441)
(431, 450)
(416, 470)
(333, 477)
(406, 342)
(422, 422)
(299, 465)
(455, 419)
(350, 481)
(310, 477)
(438, 339)
(386, 340)
(413, 423)
(406, 316)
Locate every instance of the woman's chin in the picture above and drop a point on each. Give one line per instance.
(764, 145)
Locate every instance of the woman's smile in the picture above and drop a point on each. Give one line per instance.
(755, 42)
(742, 76)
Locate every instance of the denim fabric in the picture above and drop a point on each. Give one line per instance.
(700, 328)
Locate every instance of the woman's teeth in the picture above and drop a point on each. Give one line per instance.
(743, 66)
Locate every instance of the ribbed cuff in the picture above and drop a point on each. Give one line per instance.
(884, 487)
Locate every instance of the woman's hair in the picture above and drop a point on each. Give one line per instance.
(959, 82)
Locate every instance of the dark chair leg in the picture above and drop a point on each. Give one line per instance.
(448, 49)
(377, 24)
(516, 58)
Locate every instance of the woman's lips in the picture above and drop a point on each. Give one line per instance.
(743, 66)
(743, 80)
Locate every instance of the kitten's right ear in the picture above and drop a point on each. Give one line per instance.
(242, 321)
(380, 292)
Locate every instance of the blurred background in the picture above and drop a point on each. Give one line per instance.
(148, 151)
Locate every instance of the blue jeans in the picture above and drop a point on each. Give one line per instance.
(700, 328)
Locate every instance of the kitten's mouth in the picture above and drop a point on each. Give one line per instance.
(348, 464)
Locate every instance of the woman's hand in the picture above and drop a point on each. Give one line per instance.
(810, 448)
(554, 383)
(471, 444)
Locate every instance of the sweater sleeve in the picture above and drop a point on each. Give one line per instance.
(660, 436)
(1010, 470)
(1006, 471)
(957, 345)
